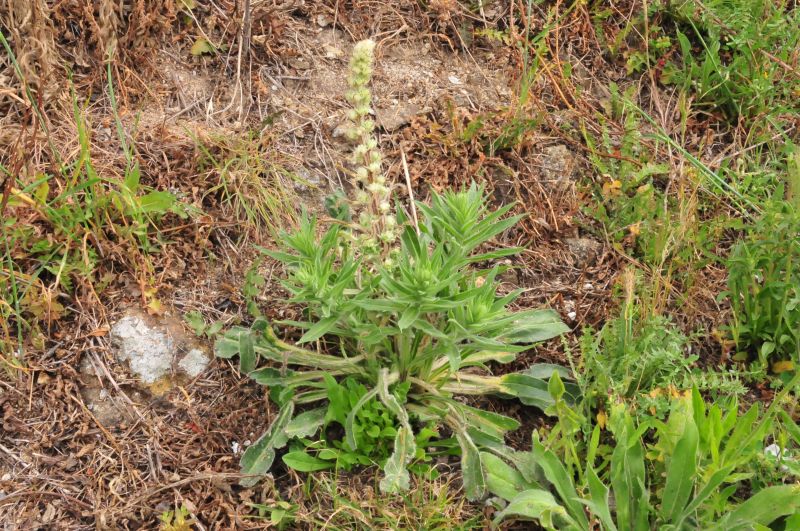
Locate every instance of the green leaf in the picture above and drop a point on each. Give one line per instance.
(536, 326)
(319, 329)
(349, 425)
(681, 472)
(719, 477)
(544, 371)
(306, 424)
(483, 356)
(247, 353)
(258, 458)
(227, 346)
(410, 315)
(556, 474)
(156, 202)
(302, 462)
(530, 391)
(555, 386)
(628, 476)
(789, 424)
(395, 471)
(471, 468)
(132, 177)
(196, 321)
(535, 504)
(492, 423)
(765, 507)
(201, 46)
(599, 501)
(503, 480)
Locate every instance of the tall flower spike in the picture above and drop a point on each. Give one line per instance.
(376, 222)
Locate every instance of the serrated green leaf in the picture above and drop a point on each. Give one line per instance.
(201, 46)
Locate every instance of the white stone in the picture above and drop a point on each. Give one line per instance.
(194, 363)
(148, 351)
(154, 347)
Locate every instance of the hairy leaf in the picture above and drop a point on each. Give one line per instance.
(501, 479)
(471, 467)
(306, 424)
(534, 504)
(257, 459)
(395, 471)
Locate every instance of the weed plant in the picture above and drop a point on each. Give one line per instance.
(55, 226)
(764, 288)
(403, 310)
(693, 471)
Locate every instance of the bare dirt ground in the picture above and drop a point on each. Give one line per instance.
(67, 463)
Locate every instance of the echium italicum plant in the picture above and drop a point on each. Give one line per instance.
(404, 315)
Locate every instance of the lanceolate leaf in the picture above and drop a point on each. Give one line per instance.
(501, 479)
(319, 329)
(536, 326)
(680, 474)
(395, 471)
(247, 353)
(536, 504)
(556, 474)
(257, 459)
(471, 467)
(599, 501)
(302, 462)
(306, 424)
(410, 315)
(351, 417)
(765, 507)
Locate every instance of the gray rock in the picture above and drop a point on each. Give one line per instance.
(558, 166)
(156, 349)
(194, 362)
(585, 250)
(395, 116)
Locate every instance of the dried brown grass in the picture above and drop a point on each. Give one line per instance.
(27, 24)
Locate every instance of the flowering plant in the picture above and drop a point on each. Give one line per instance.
(403, 310)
